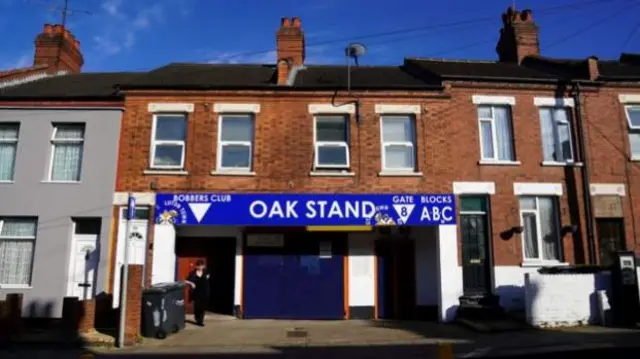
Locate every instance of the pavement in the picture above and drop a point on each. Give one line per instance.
(224, 337)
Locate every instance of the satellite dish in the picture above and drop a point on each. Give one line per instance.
(355, 50)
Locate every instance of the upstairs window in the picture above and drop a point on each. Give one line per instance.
(555, 128)
(331, 142)
(168, 143)
(67, 144)
(235, 142)
(8, 149)
(398, 143)
(633, 120)
(496, 133)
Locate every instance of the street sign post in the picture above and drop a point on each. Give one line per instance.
(131, 210)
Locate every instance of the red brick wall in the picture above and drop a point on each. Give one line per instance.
(607, 135)
(134, 303)
(447, 143)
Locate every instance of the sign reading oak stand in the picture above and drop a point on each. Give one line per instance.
(269, 209)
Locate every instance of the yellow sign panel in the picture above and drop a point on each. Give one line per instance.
(339, 228)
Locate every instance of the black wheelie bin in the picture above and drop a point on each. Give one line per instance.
(163, 309)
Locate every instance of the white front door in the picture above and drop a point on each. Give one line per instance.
(137, 245)
(84, 259)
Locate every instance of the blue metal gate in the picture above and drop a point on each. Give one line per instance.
(304, 279)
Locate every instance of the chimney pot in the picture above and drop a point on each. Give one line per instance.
(286, 22)
(296, 22)
(592, 67)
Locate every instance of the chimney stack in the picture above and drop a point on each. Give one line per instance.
(290, 45)
(593, 68)
(57, 48)
(519, 36)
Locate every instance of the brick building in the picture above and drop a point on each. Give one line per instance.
(210, 150)
(518, 179)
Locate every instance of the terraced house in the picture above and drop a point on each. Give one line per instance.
(328, 192)
(59, 133)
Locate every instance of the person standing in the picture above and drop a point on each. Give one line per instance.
(199, 281)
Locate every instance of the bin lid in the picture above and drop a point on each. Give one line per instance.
(165, 287)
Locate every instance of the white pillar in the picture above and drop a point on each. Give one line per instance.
(361, 270)
(164, 254)
(450, 273)
(238, 286)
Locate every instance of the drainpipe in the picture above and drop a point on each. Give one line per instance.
(586, 192)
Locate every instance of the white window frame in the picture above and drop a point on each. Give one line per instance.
(626, 113)
(343, 144)
(494, 137)
(155, 143)
(221, 143)
(13, 141)
(556, 137)
(29, 238)
(631, 129)
(539, 240)
(55, 141)
(412, 144)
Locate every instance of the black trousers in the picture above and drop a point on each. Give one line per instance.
(199, 305)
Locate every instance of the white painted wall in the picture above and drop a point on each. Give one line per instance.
(563, 299)
(163, 268)
(509, 285)
(450, 281)
(362, 269)
(426, 259)
(137, 242)
(237, 295)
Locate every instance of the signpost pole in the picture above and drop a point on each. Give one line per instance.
(131, 210)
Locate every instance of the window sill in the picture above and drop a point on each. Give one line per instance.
(61, 182)
(153, 172)
(634, 158)
(561, 164)
(6, 182)
(331, 174)
(399, 174)
(499, 163)
(233, 173)
(15, 286)
(542, 263)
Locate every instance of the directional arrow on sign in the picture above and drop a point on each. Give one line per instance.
(404, 211)
(199, 210)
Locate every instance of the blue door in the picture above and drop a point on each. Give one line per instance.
(263, 285)
(315, 283)
(302, 280)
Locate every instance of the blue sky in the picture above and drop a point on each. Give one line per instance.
(133, 35)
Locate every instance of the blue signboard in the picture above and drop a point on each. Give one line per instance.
(270, 209)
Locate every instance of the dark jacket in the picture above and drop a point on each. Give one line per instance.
(201, 291)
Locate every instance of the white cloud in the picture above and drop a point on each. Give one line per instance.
(16, 63)
(317, 55)
(121, 25)
(147, 16)
(23, 61)
(107, 45)
(112, 7)
(229, 57)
